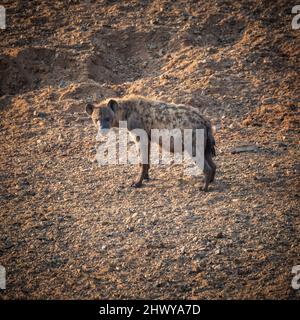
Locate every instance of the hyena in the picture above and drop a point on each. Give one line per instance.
(148, 114)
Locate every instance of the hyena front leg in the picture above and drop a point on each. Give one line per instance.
(141, 176)
(143, 167)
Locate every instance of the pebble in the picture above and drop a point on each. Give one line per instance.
(130, 229)
(41, 114)
(219, 235)
(62, 84)
(134, 215)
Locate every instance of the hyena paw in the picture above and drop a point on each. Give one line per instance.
(135, 184)
(205, 189)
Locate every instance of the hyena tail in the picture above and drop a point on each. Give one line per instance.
(210, 144)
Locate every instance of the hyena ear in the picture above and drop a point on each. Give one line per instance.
(89, 108)
(113, 105)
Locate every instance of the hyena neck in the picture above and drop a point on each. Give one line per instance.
(125, 111)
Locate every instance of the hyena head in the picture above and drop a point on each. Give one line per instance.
(105, 115)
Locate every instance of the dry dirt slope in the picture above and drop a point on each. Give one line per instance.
(72, 230)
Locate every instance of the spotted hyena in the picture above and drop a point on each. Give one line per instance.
(148, 114)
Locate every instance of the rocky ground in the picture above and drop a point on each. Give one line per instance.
(70, 229)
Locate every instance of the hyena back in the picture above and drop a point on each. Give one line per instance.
(148, 114)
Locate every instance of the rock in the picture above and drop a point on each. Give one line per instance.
(130, 229)
(152, 46)
(212, 50)
(8, 244)
(24, 183)
(199, 255)
(134, 215)
(217, 251)
(269, 101)
(39, 114)
(161, 52)
(42, 115)
(62, 84)
(250, 148)
(154, 21)
(220, 235)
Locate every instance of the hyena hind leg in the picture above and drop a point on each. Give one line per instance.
(143, 169)
(146, 175)
(208, 158)
(208, 173)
